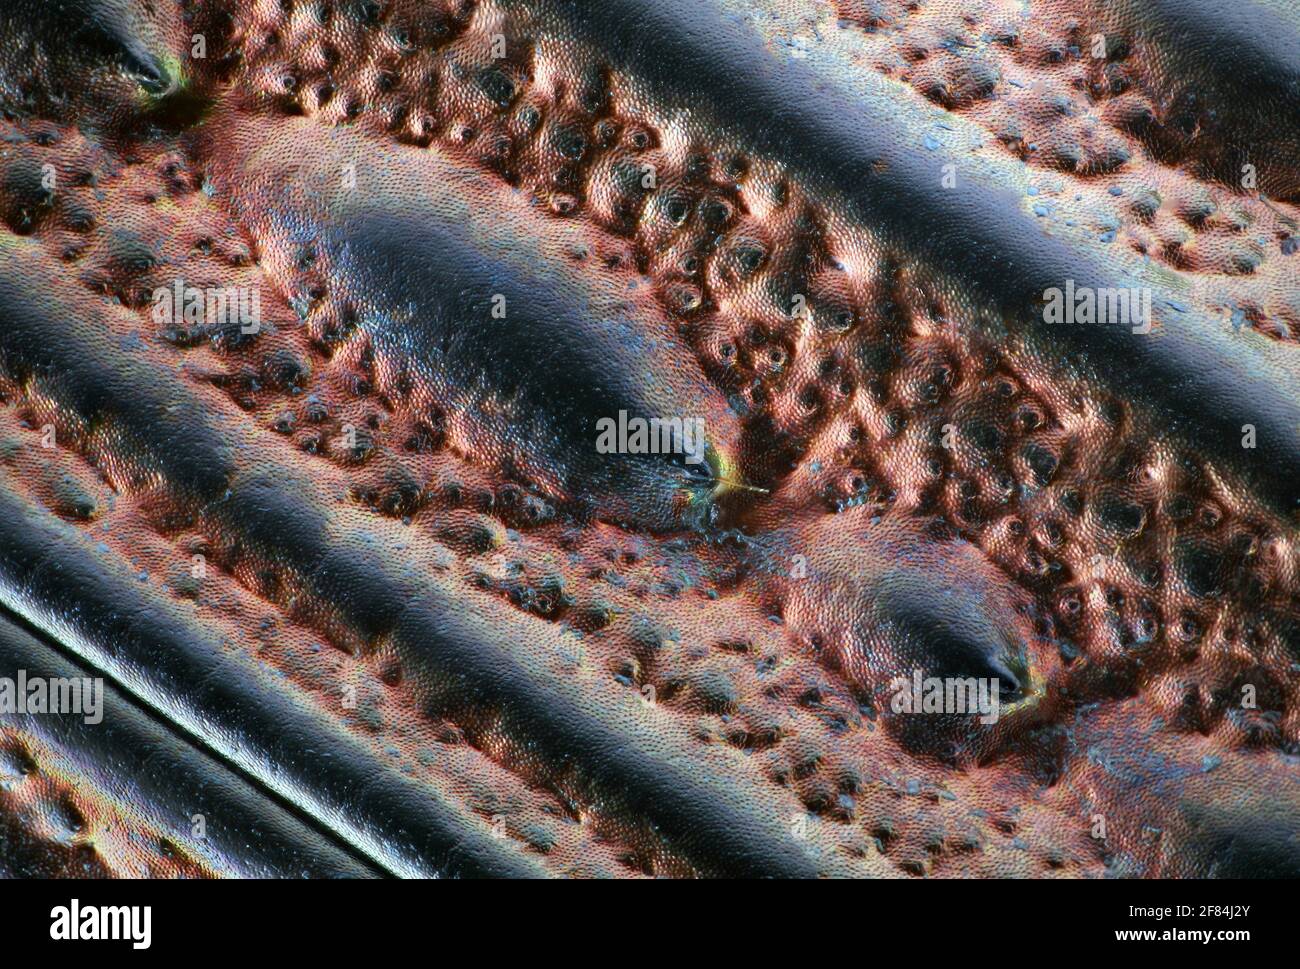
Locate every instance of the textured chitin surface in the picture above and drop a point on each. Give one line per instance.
(367, 597)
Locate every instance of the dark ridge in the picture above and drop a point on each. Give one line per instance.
(1242, 59)
(145, 642)
(86, 370)
(140, 760)
(868, 152)
(191, 677)
(107, 29)
(474, 659)
(427, 262)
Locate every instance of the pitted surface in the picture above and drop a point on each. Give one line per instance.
(380, 514)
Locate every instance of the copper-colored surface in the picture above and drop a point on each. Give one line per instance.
(379, 523)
